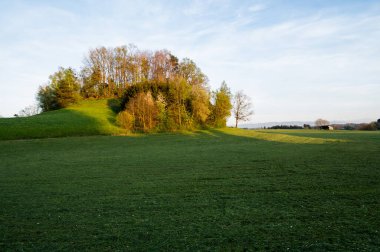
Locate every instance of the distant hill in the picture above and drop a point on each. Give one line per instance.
(88, 117)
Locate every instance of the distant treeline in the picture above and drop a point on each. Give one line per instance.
(358, 126)
(286, 127)
(348, 126)
(157, 90)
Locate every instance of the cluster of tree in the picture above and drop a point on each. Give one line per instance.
(286, 127)
(173, 105)
(109, 71)
(158, 91)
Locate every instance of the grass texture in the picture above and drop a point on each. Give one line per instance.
(206, 190)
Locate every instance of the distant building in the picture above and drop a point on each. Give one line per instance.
(326, 127)
(306, 126)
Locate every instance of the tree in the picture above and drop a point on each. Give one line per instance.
(67, 86)
(179, 91)
(143, 110)
(29, 111)
(91, 83)
(321, 122)
(46, 98)
(221, 107)
(62, 90)
(199, 104)
(191, 73)
(242, 107)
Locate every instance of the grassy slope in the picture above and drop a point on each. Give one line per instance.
(209, 190)
(90, 117)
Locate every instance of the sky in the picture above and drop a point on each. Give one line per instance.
(297, 60)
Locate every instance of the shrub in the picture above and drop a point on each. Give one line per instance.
(125, 120)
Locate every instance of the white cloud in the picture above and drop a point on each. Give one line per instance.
(256, 7)
(287, 66)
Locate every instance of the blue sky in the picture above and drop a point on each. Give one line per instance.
(297, 60)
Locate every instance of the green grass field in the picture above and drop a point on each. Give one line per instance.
(206, 190)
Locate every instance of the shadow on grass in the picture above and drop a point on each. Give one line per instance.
(59, 123)
(115, 106)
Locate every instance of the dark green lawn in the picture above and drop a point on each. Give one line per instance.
(211, 190)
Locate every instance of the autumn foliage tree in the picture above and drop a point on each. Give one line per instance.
(144, 111)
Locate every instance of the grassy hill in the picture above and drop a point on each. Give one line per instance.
(89, 117)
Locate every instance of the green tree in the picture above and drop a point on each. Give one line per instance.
(221, 107)
(67, 86)
(46, 98)
(62, 90)
(91, 83)
(200, 100)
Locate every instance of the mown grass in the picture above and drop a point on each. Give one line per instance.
(89, 117)
(208, 190)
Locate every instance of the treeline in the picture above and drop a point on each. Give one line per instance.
(375, 125)
(285, 127)
(158, 92)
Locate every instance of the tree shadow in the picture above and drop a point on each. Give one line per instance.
(115, 105)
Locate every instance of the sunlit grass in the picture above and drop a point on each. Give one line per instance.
(279, 136)
(101, 111)
(88, 117)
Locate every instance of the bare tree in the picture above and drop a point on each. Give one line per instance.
(242, 107)
(29, 111)
(321, 122)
